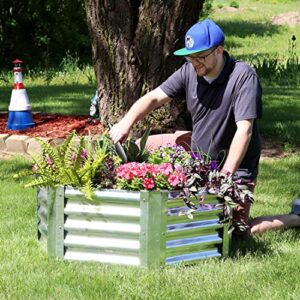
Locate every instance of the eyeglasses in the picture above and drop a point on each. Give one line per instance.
(199, 59)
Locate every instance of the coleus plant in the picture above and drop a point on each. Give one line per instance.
(202, 177)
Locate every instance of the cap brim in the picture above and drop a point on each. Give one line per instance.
(184, 51)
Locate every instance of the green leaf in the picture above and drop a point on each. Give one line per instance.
(132, 150)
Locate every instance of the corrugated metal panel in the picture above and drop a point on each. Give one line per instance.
(101, 242)
(175, 201)
(188, 245)
(106, 231)
(179, 215)
(42, 210)
(193, 238)
(133, 228)
(192, 257)
(101, 225)
(103, 210)
(89, 255)
(192, 229)
(107, 196)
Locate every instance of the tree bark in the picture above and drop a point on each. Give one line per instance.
(132, 45)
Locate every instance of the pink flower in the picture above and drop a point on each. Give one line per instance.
(174, 180)
(48, 160)
(148, 183)
(73, 156)
(148, 173)
(166, 168)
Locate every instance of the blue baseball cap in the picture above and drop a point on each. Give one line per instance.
(202, 36)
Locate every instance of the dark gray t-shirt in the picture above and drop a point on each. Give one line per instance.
(215, 108)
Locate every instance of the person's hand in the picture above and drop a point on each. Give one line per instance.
(119, 132)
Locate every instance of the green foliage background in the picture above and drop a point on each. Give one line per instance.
(42, 32)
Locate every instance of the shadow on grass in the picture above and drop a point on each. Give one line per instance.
(250, 245)
(242, 29)
(281, 115)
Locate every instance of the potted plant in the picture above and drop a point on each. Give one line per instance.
(174, 208)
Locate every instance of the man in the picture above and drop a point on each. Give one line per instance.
(223, 97)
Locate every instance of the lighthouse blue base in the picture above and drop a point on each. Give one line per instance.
(19, 120)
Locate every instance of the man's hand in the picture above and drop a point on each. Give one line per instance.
(139, 110)
(119, 132)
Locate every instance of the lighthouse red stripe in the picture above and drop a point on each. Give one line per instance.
(18, 86)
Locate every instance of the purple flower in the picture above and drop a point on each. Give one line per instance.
(84, 153)
(213, 165)
(196, 156)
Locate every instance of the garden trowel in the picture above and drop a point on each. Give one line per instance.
(119, 149)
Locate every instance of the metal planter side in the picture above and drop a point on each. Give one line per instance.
(131, 228)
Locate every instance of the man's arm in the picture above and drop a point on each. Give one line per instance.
(138, 111)
(238, 146)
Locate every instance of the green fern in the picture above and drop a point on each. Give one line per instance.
(62, 148)
(76, 163)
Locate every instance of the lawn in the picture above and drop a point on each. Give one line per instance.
(261, 267)
(265, 267)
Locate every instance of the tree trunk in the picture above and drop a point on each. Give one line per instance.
(132, 45)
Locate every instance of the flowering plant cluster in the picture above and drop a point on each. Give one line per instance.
(199, 170)
(88, 164)
(149, 176)
(202, 176)
(78, 162)
(173, 154)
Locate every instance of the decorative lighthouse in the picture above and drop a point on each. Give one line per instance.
(19, 117)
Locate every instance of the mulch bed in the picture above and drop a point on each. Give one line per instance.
(54, 126)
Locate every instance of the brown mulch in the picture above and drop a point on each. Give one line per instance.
(272, 150)
(54, 126)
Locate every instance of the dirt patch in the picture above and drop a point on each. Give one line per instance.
(272, 150)
(229, 9)
(54, 126)
(289, 18)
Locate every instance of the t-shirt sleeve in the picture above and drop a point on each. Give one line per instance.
(174, 86)
(248, 104)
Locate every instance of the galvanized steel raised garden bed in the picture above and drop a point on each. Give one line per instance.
(131, 228)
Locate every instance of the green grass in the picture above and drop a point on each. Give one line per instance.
(249, 31)
(65, 99)
(265, 267)
(281, 120)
